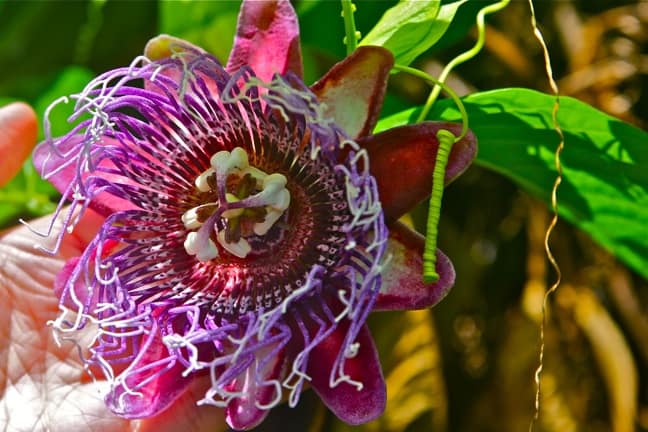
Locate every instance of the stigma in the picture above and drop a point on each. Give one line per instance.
(241, 201)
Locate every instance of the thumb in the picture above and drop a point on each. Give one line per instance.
(18, 130)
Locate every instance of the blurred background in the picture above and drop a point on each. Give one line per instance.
(467, 365)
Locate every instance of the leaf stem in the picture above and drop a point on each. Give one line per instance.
(463, 57)
(439, 84)
(351, 34)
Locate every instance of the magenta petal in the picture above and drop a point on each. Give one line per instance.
(403, 286)
(354, 89)
(63, 276)
(157, 394)
(58, 170)
(345, 400)
(267, 39)
(243, 413)
(45, 161)
(412, 150)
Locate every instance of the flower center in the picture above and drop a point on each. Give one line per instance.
(241, 201)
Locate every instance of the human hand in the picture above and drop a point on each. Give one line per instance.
(43, 387)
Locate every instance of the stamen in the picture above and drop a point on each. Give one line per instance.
(202, 182)
(204, 251)
(233, 213)
(224, 161)
(240, 249)
(190, 219)
(254, 202)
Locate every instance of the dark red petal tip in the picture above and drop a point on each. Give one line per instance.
(403, 287)
(345, 400)
(354, 89)
(243, 413)
(402, 161)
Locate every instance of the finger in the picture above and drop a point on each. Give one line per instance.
(18, 131)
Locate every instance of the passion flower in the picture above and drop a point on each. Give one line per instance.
(246, 224)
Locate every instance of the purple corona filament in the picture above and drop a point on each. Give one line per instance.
(210, 264)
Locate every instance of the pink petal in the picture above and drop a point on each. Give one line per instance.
(157, 395)
(402, 161)
(403, 286)
(61, 173)
(267, 39)
(76, 242)
(347, 402)
(354, 89)
(243, 413)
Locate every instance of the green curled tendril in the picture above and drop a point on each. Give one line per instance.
(465, 56)
(446, 141)
(445, 137)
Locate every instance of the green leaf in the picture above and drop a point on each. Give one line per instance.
(208, 24)
(30, 51)
(4, 100)
(411, 28)
(605, 185)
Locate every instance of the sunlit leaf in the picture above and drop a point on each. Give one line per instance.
(605, 185)
(6, 100)
(411, 28)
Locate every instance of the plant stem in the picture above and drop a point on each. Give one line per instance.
(463, 57)
(351, 34)
(437, 83)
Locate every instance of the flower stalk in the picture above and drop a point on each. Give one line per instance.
(352, 36)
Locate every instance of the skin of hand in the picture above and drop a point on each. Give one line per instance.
(43, 387)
